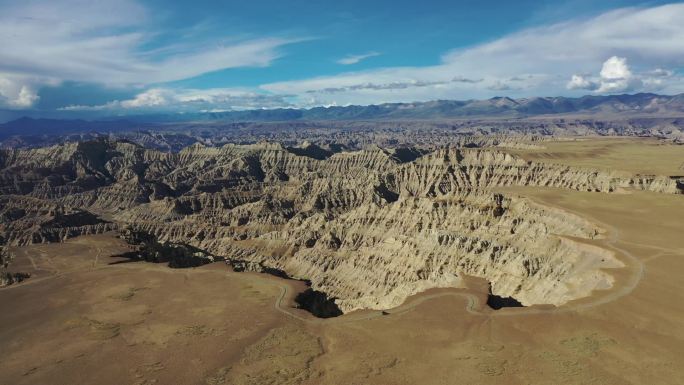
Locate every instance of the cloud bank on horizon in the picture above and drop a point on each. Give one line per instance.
(120, 46)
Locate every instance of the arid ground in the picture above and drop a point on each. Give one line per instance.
(80, 319)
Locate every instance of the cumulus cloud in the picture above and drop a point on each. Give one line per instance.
(26, 97)
(20, 92)
(615, 68)
(353, 59)
(617, 76)
(13, 95)
(106, 42)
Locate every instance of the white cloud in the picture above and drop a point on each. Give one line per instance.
(353, 59)
(581, 82)
(540, 59)
(616, 76)
(660, 73)
(20, 92)
(26, 97)
(190, 100)
(615, 68)
(106, 42)
(151, 98)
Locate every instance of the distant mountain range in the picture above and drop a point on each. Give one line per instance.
(498, 107)
(28, 126)
(597, 107)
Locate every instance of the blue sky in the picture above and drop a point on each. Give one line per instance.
(107, 57)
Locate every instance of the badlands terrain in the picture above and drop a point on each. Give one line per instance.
(485, 259)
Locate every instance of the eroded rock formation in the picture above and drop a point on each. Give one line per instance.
(368, 228)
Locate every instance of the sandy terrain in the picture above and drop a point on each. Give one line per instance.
(79, 320)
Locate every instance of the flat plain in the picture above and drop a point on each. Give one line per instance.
(648, 156)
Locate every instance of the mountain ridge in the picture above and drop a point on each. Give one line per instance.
(640, 104)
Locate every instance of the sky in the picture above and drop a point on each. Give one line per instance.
(73, 58)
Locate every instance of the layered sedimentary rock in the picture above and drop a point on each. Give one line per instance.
(25, 220)
(368, 228)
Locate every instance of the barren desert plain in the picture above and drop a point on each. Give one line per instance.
(88, 316)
